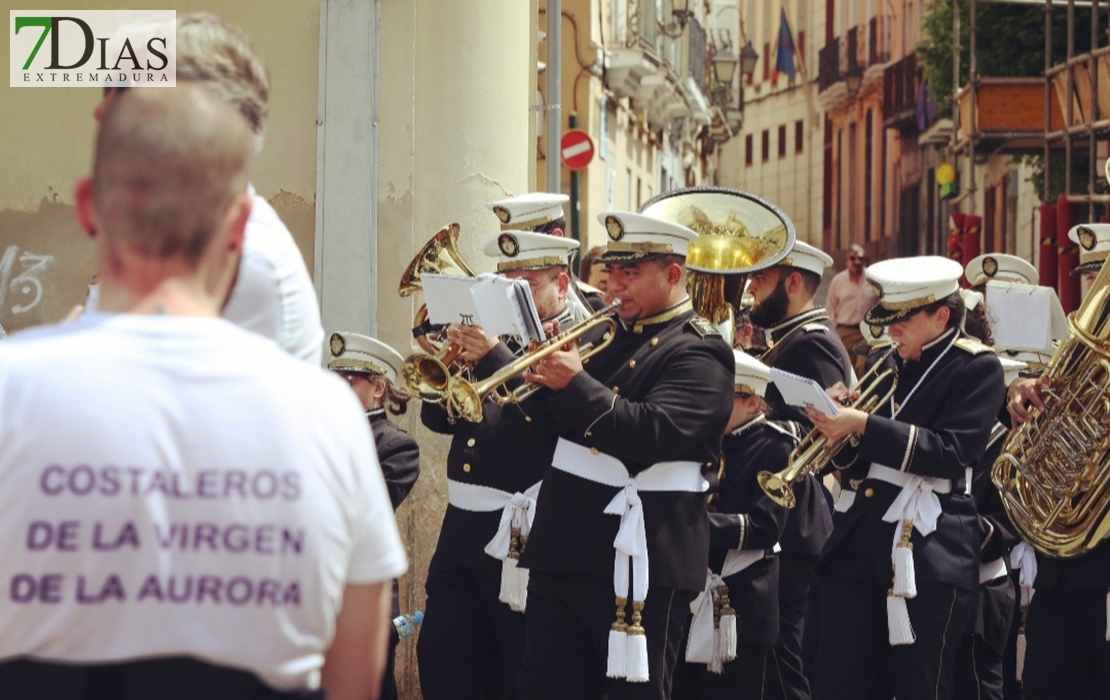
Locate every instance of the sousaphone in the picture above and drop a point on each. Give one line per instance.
(738, 233)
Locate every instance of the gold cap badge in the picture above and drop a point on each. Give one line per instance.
(508, 244)
(502, 214)
(614, 228)
(337, 345)
(990, 266)
(1086, 238)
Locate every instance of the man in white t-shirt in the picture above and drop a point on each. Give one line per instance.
(185, 510)
(272, 294)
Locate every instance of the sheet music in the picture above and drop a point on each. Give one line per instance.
(1025, 316)
(803, 392)
(448, 298)
(506, 307)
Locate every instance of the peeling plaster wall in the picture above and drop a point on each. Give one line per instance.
(46, 145)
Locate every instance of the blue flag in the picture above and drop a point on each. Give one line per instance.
(784, 61)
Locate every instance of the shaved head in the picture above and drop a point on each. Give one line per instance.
(169, 162)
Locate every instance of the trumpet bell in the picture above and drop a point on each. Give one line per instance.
(776, 489)
(440, 255)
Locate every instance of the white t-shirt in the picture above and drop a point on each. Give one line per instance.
(273, 294)
(177, 486)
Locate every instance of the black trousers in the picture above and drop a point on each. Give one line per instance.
(154, 679)
(1011, 686)
(568, 639)
(470, 643)
(788, 681)
(1067, 655)
(744, 677)
(979, 671)
(855, 660)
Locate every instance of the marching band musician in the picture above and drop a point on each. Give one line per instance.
(800, 341)
(371, 368)
(745, 527)
(622, 511)
(898, 635)
(472, 636)
(1067, 626)
(983, 670)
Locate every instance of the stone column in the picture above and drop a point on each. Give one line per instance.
(454, 123)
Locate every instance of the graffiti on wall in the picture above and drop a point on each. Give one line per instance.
(20, 283)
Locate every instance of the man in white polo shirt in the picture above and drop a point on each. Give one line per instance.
(186, 510)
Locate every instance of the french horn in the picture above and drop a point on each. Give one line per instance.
(738, 233)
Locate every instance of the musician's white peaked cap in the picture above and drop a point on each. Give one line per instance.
(354, 352)
(907, 285)
(1094, 246)
(752, 376)
(635, 237)
(1000, 267)
(528, 212)
(874, 335)
(527, 250)
(805, 257)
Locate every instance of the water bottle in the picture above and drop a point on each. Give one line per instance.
(405, 625)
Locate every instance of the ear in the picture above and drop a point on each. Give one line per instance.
(558, 233)
(793, 281)
(235, 220)
(674, 274)
(85, 206)
(943, 314)
(563, 282)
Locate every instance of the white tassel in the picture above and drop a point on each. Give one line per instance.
(617, 663)
(726, 637)
(1020, 654)
(637, 670)
(905, 579)
(898, 621)
(514, 584)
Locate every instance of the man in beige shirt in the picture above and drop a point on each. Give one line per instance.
(849, 297)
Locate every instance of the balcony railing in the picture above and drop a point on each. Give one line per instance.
(828, 62)
(862, 46)
(696, 57)
(900, 87)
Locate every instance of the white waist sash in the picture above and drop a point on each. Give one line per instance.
(631, 541)
(1024, 559)
(518, 510)
(992, 570)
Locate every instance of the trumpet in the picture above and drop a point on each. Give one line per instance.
(464, 399)
(815, 451)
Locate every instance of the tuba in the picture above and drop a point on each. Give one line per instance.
(814, 453)
(426, 374)
(1053, 472)
(738, 233)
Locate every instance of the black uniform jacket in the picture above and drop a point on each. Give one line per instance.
(398, 454)
(508, 450)
(743, 517)
(942, 429)
(804, 345)
(662, 391)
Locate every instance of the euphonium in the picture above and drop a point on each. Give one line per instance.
(815, 452)
(1054, 471)
(426, 374)
(738, 233)
(464, 399)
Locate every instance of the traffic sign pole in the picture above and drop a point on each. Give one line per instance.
(575, 231)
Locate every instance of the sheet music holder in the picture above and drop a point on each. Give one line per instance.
(502, 306)
(803, 392)
(448, 298)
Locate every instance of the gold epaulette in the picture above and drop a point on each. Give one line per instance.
(973, 346)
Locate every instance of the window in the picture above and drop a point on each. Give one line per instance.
(766, 61)
(782, 141)
(801, 45)
(799, 136)
(766, 145)
(748, 150)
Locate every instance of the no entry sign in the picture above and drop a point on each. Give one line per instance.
(576, 149)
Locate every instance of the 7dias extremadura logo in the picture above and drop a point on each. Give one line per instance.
(92, 48)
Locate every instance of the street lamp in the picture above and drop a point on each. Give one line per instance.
(724, 66)
(748, 58)
(853, 79)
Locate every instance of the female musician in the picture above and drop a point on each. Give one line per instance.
(898, 634)
(371, 368)
(745, 525)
